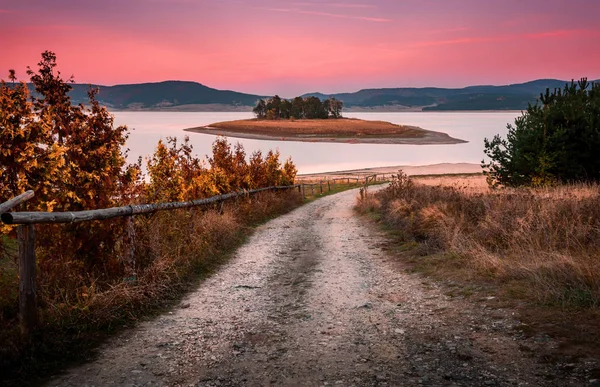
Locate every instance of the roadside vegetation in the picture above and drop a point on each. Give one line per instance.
(95, 277)
(542, 243)
(555, 141)
(528, 229)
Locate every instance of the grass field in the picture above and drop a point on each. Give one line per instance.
(547, 236)
(534, 250)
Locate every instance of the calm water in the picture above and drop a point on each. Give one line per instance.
(149, 127)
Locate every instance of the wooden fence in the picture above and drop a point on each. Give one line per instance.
(331, 184)
(28, 313)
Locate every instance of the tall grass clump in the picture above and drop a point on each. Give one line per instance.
(548, 237)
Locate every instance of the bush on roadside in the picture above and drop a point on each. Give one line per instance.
(549, 237)
(555, 142)
(92, 275)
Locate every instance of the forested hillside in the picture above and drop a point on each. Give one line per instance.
(180, 95)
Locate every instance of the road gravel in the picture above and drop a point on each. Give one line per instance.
(314, 299)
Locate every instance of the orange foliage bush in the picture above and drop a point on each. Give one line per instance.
(73, 157)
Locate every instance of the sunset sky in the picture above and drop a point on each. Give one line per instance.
(294, 47)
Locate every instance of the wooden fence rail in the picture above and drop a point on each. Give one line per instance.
(28, 313)
(8, 205)
(321, 186)
(114, 212)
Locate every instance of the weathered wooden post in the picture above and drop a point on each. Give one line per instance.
(328, 186)
(321, 187)
(131, 241)
(27, 281)
(312, 192)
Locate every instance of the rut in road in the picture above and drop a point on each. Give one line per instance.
(312, 299)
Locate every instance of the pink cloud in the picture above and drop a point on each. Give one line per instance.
(349, 5)
(562, 33)
(470, 40)
(448, 30)
(336, 5)
(296, 46)
(335, 15)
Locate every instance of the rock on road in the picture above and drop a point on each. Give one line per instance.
(311, 300)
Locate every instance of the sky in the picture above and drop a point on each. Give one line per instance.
(289, 48)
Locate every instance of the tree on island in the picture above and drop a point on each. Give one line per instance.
(554, 142)
(300, 108)
(260, 110)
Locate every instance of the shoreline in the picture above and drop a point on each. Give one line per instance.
(430, 137)
(411, 170)
(217, 108)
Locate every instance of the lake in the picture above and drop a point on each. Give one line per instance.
(146, 128)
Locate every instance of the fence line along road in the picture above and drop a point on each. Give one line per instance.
(28, 314)
(28, 311)
(114, 212)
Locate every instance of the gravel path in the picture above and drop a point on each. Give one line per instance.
(312, 300)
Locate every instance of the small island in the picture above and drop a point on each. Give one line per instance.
(311, 120)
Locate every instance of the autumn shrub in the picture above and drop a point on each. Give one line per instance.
(92, 275)
(548, 237)
(554, 141)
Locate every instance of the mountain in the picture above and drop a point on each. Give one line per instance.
(193, 96)
(168, 94)
(487, 97)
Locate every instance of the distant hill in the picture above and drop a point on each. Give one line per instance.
(168, 94)
(193, 96)
(509, 97)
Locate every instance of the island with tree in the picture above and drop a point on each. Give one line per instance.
(314, 120)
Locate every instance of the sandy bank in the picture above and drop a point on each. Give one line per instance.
(344, 130)
(412, 170)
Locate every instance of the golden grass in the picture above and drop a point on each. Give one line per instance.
(548, 238)
(342, 127)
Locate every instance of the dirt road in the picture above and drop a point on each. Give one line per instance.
(312, 300)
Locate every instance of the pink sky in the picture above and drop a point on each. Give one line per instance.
(294, 47)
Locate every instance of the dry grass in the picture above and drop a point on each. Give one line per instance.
(343, 127)
(172, 250)
(546, 240)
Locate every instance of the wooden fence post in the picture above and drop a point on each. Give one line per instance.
(328, 186)
(28, 313)
(131, 241)
(312, 192)
(321, 186)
